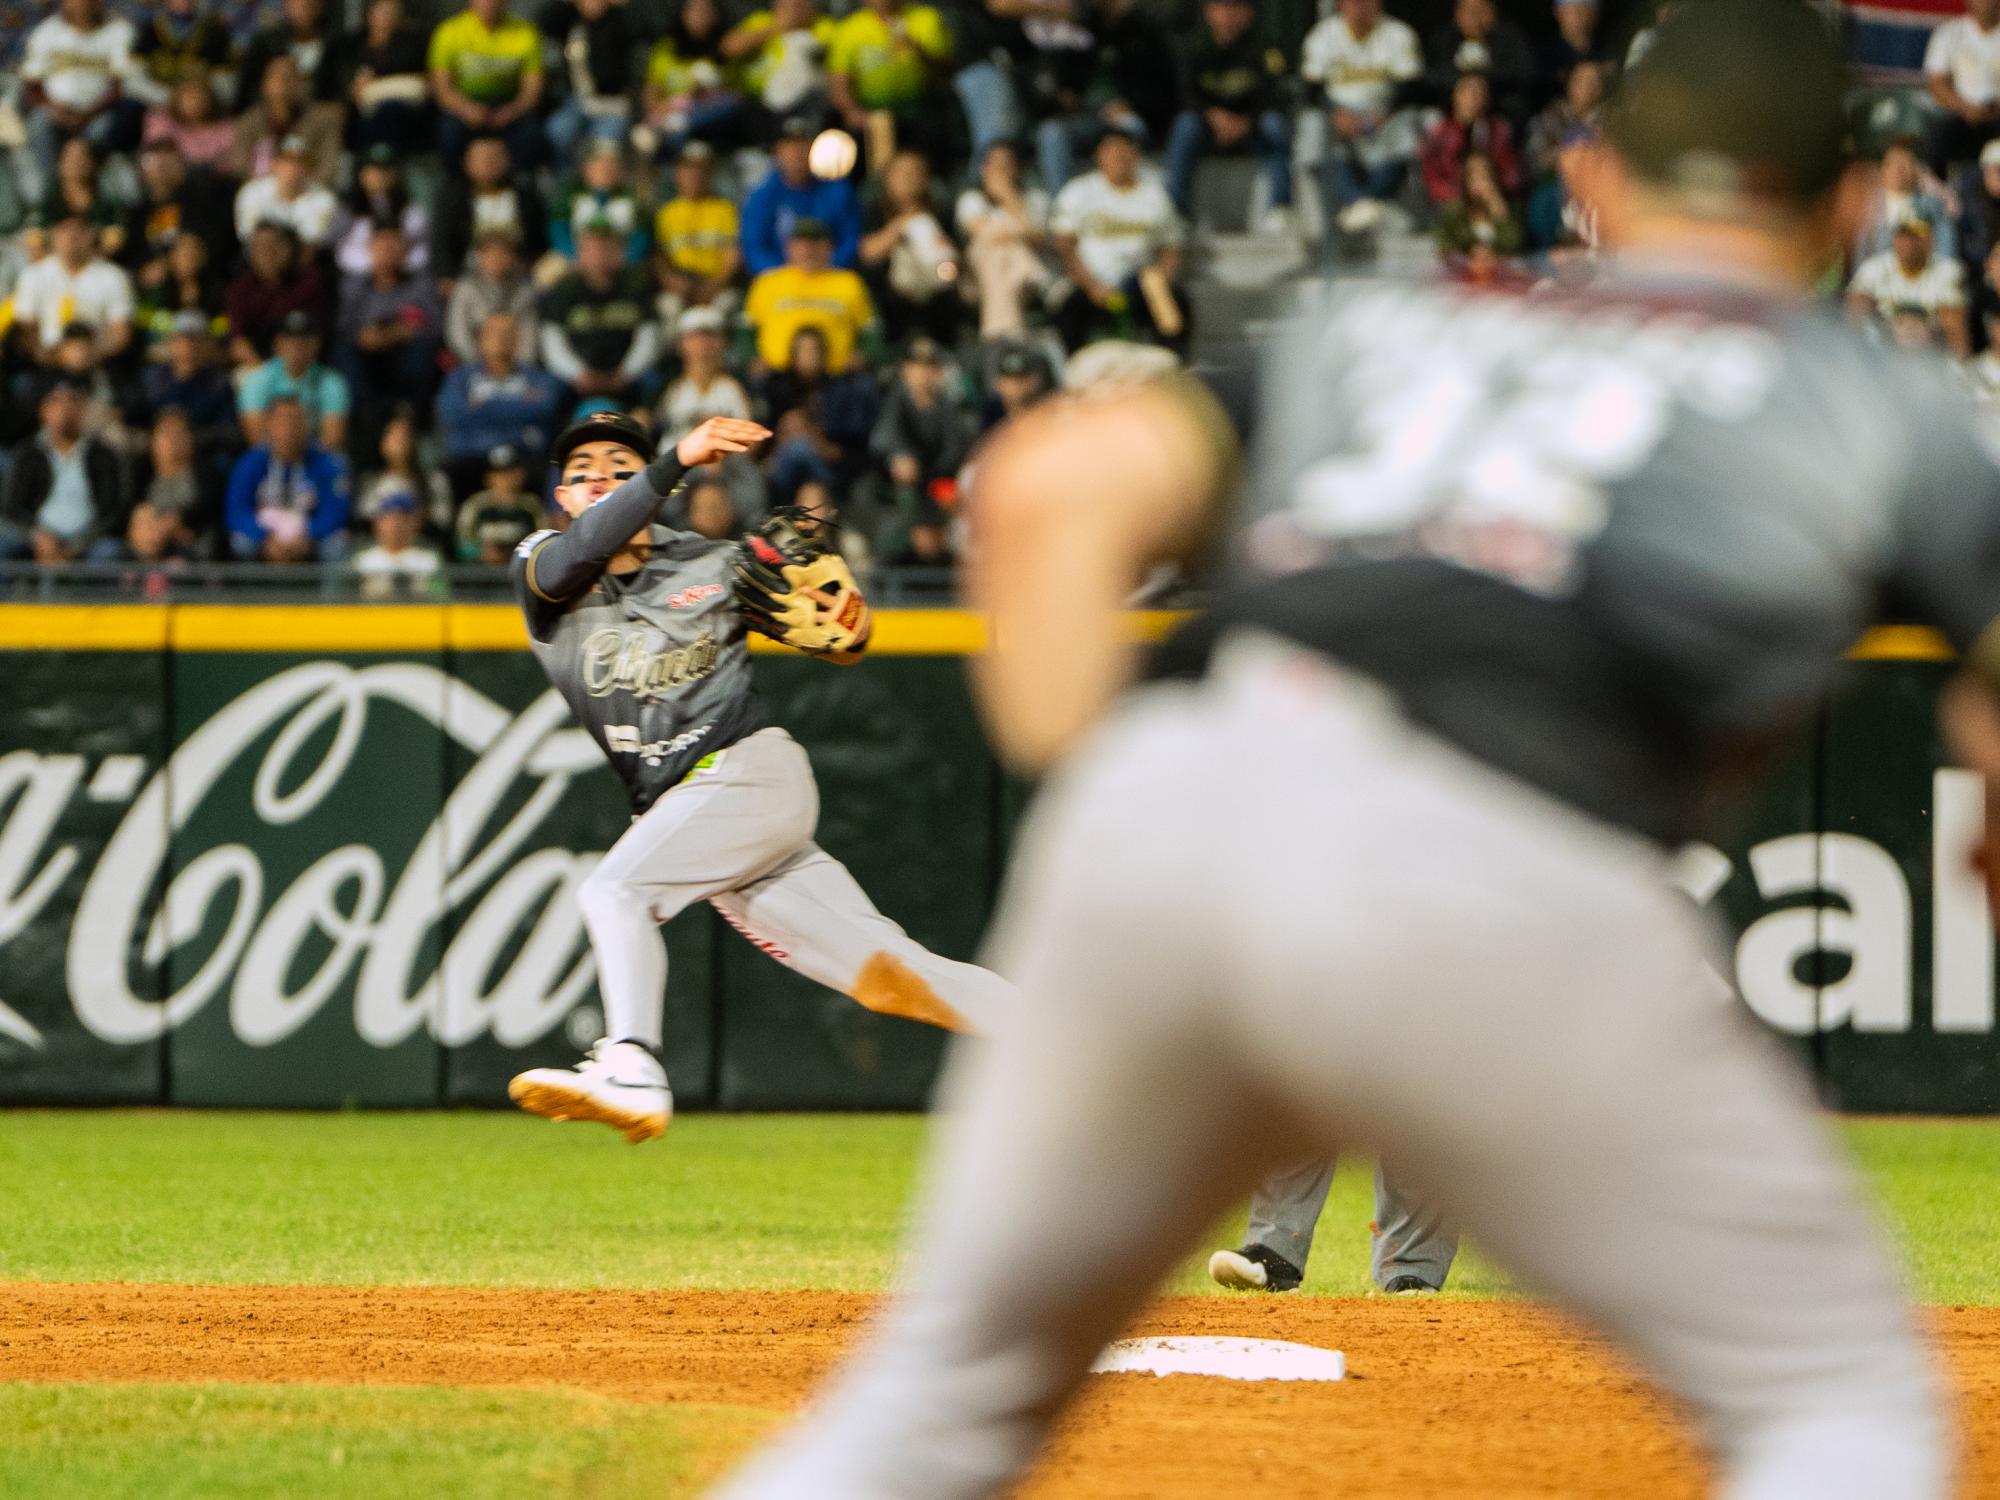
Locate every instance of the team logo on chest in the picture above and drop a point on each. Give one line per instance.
(629, 660)
(687, 598)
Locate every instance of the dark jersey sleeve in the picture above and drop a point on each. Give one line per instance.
(1947, 568)
(553, 567)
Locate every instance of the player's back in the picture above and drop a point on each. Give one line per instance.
(1601, 540)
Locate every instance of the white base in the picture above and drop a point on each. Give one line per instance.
(1231, 1359)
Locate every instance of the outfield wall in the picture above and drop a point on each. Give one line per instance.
(319, 855)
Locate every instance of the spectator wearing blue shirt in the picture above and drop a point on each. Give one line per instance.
(496, 403)
(791, 193)
(294, 371)
(288, 500)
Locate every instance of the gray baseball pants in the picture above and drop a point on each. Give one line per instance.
(1411, 1237)
(738, 833)
(1267, 897)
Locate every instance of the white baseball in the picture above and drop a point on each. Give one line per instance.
(832, 155)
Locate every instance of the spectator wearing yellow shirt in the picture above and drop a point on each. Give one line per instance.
(781, 54)
(486, 76)
(700, 254)
(690, 91)
(886, 56)
(809, 292)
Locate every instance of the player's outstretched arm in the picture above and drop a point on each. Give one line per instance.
(1071, 505)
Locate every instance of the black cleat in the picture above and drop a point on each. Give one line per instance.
(1409, 1286)
(1254, 1269)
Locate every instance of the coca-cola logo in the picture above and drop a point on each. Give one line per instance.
(374, 924)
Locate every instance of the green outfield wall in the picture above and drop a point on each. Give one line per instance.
(316, 856)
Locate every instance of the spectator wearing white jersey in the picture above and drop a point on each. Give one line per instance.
(287, 195)
(73, 285)
(72, 83)
(1962, 67)
(1907, 278)
(1368, 65)
(1110, 226)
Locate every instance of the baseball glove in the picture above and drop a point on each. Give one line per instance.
(793, 587)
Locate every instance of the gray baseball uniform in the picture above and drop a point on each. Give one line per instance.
(655, 664)
(1411, 1237)
(1529, 571)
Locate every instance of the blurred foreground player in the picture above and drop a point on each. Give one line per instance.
(644, 631)
(1529, 574)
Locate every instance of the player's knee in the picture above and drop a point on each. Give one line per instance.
(604, 892)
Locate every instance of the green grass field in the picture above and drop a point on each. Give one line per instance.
(726, 1202)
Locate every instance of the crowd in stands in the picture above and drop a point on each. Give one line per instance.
(316, 281)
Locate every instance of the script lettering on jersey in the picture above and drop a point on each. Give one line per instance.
(623, 739)
(687, 598)
(1488, 432)
(628, 659)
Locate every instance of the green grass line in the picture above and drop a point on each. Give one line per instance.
(312, 1442)
(725, 1202)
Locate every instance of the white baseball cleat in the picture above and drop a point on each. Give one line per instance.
(1254, 1269)
(620, 1084)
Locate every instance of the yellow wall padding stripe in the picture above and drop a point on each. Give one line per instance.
(1902, 643)
(364, 628)
(308, 627)
(83, 627)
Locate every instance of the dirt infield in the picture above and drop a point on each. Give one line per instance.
(1444, 1397)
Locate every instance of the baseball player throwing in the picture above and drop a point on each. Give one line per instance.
(1524, 579)
(644, 631)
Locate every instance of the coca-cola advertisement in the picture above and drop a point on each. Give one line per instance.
(270, 877)
(262, 878)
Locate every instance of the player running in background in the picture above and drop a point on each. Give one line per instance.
(1531, 576)
(643, 631)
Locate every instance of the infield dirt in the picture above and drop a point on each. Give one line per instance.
(1494, 1399)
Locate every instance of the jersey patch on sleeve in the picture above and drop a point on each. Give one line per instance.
(530, 544)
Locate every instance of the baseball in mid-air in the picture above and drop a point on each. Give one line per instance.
(832, 155)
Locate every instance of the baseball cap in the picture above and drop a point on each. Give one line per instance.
(292, 145)
(600, 225)
(298, 325)
(400, 501)
(1989, 154)
(699, 320)
(796, 128)
(503, 456)
(382, 154)
(603, 426)
(601, 145)
(697, 151)
(65, 385)
(924, 350)
(1121, 127)
(809, 229)
(187, 320)
(1914, 224)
